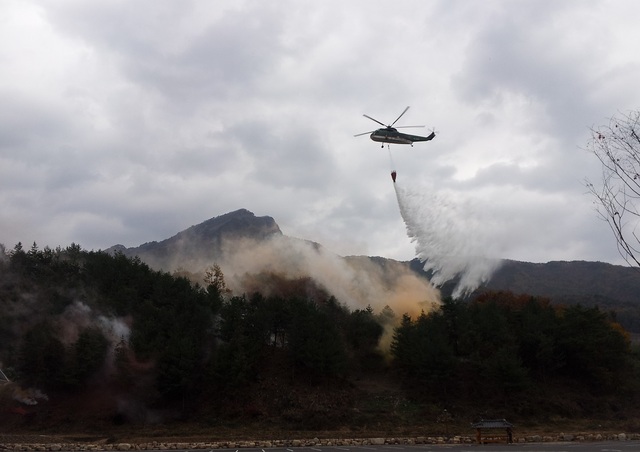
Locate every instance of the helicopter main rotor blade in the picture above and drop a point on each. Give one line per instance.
(363, 133)
(375, 120)
(405, 110)
(408, 127)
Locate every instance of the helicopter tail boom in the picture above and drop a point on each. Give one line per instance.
(430, 137)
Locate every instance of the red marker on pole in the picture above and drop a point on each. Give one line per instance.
(393, 176)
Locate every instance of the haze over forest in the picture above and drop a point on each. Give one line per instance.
(279, 333)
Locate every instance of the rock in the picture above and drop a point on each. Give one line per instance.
(377, 441)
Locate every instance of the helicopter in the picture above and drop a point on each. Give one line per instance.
(390, 134)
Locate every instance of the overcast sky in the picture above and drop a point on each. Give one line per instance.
(123, 122)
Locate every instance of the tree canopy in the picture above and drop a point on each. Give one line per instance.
(73, 321)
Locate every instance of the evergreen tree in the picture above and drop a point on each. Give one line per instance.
(42, 357)
(594, 351)
(363, 333)
(88, 355)
(315, 342)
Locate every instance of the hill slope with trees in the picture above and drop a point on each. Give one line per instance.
(94, 341)
(610, 287)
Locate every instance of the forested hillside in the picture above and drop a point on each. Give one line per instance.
(612, 288)
(240, 239)
(92, 340)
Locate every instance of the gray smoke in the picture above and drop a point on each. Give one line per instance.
(29, 396)
(79, 316)
(355, 281)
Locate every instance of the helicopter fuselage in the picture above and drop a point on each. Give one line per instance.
(391, 135)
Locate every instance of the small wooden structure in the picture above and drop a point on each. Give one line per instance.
(489, 431)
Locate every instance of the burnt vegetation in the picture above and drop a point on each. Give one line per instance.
(112, 342)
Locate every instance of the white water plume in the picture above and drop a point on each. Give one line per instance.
(450, 236)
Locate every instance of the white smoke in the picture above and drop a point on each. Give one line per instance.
(79, 316)
(451, 236)
(114, 329)
(75, 318)
(29, 396)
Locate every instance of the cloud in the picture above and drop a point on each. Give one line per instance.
(127, 122)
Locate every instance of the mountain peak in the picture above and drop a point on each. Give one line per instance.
(240, 223)
(204, 239)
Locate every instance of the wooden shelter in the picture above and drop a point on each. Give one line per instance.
(490, 431)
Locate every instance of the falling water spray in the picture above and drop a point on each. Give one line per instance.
(448, 235)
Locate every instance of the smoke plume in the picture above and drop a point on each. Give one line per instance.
(29, 396)
(450, 236)
(356, 281)
(79, 316)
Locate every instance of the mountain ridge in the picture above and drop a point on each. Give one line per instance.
(260, 237)
(204, 238)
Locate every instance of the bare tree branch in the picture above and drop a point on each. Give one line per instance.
(617, 196)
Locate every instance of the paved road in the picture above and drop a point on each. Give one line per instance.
(605, 446)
